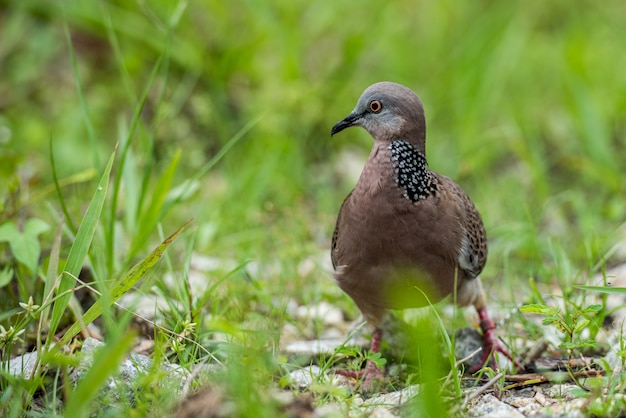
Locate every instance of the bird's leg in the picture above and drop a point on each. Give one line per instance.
(371, 371)
(491, 343)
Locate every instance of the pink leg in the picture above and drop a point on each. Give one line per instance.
(371, 371)
(491, 343)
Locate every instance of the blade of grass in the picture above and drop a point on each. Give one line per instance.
(151, 215)
(91, 132)
(123, 285)
(535, 291)
(105, 363)
(603, 289)
(182, 192)
(51, 280)
(117, 53)
(80, 177)
(57, 186)
(447, 340)
(80, 247)
(125, 149)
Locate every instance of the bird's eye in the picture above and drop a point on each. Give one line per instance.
(376, 106)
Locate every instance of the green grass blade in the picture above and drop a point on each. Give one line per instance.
(603, 289)
(151, 215)
(57, 186)
(80, 247)
(117, 53)
(123, 285)
(81, 95)
(212, 162)
(105, 363)
(51, 278)
(125, 149)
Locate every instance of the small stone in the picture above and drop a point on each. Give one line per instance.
(197, 282)
(313, 347)
(208, 264)
(489, 406)
(323, 311)
(23, 365)
(524, 405)
(291, 307)
(209, 401)
(283, 397)
(563, 391)
(396, 398)
(303, 378)
(468, 345)
(382, 412)
(570, 409)
(330, 410)
(541, 398)
(306, 267)
(332, 333)
(143, 304)
(519, 402)
(289, 332)
(129, 370)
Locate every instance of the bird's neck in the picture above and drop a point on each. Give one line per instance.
(411, 170)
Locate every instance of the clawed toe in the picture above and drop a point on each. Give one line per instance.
(491, 345)
(368, 376)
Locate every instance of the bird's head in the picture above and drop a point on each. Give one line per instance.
(388, 111)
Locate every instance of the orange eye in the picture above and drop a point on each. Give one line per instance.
(376, 106)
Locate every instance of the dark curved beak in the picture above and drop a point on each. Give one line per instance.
(349, 121)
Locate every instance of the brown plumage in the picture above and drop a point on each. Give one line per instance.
(404, 229)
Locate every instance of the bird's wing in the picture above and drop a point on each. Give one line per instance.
(333, 248)
(473, 254)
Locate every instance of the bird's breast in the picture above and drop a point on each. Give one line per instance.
(389, 238)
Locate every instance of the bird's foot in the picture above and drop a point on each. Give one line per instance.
(371, 374)
(491, 345)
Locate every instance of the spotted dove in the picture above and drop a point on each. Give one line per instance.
(405, 231)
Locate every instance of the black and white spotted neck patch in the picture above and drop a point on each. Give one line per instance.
(412, 173)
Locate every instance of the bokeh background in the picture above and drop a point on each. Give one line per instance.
(228, 107)
(525, 104)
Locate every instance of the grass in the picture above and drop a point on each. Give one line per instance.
(220, 113)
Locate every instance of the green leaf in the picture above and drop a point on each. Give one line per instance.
(8, 232)
(537, 308)
(35, 227)
(377, 358)
(551, 320)
(80, 247)
(592, 309)
(581, 325)
(6, 275)
(578, 344)
(26, 250)
(24, 245)
(577, 392)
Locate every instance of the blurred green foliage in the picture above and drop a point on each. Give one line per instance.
(525, 107)
(525, 103)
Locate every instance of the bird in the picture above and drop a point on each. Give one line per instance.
(405, 235)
